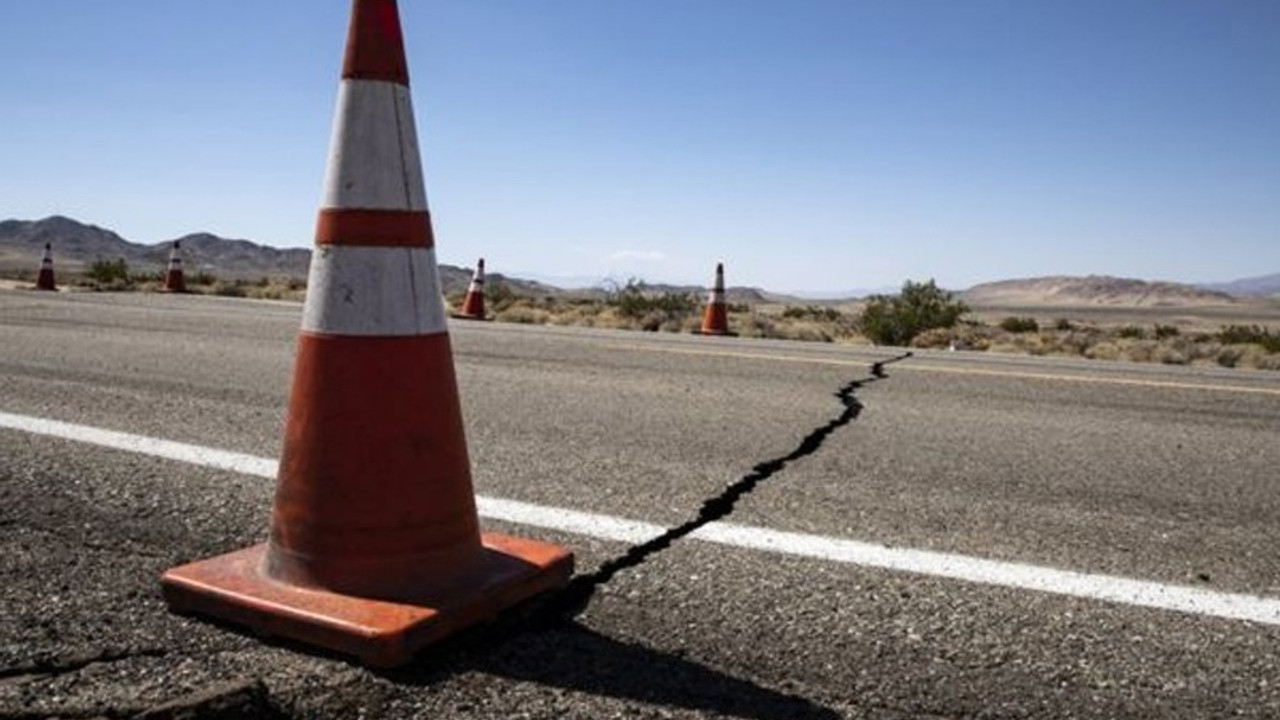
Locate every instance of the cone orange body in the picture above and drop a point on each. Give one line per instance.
(473, 305)
(173, 278)
(716, 320)
(375, 548)
(44, 281)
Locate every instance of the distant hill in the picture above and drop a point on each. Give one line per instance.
(76, 244)
(1262, 286)
(75, 241)
(1091, 290)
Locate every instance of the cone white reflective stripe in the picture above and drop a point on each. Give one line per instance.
(356, 290)
(477, 281)
(46, 260)
(373, 158)
(715, 295)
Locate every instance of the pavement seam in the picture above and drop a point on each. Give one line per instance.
(56, 667)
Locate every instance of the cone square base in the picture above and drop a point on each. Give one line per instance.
(715, 333)
(380, 633)
(460, 316)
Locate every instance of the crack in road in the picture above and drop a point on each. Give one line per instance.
(578, 593)
(52, 667)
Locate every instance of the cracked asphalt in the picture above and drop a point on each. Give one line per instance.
(1141, 471)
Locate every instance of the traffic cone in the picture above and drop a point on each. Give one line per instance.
(44, 281)
(173, 280)
(473, 305)
(716, 320)
(375, 548)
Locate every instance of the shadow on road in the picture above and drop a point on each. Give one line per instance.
(576, 658)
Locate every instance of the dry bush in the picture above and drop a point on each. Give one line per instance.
(523, 312)
(753, 325)
(1105, 350)
(1141, 350)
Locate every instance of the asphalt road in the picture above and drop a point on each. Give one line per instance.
(1167, 475)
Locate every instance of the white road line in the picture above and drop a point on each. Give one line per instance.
(1127, 591)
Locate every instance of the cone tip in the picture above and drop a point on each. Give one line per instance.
(375, 43)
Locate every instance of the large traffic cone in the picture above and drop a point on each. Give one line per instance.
(473, 305)
(375, 548)
(44, 281)
(173, 279)
(716, 319)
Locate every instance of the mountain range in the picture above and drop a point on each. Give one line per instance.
(77, 244)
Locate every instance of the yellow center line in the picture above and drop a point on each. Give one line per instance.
(915, 365)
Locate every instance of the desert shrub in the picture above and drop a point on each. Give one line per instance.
(756, 326)
(269, 292)
(896, 320)
(498, 296)
(1019, 325)
(1229, 356)
(814, 312)
(1076, 342)
(934, 338)
(1166, 331)
(635, 302)
(228, 289)
(1131, 332)
(1106, 350)
(1063, 324)
(1170, 355)
(1250, 335)
(109, 272)
(524, 314)
(146, 277)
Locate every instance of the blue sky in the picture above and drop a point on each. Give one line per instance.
(813, 145)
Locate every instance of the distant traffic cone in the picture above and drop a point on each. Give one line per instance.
(173, 280)
(473, 305)
(716, 320)
(44, 281)
(375, 548)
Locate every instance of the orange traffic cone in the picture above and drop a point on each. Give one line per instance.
(173, 280)
(44, 281)
(473, 305)
(375, 548)
(716, 319)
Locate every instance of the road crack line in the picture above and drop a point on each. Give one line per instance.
(582, 588)
(75, 662)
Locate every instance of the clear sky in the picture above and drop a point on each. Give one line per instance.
(813, 145)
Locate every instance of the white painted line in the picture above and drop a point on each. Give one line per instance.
(142, 445)
(603, 527)
(1126, 591)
